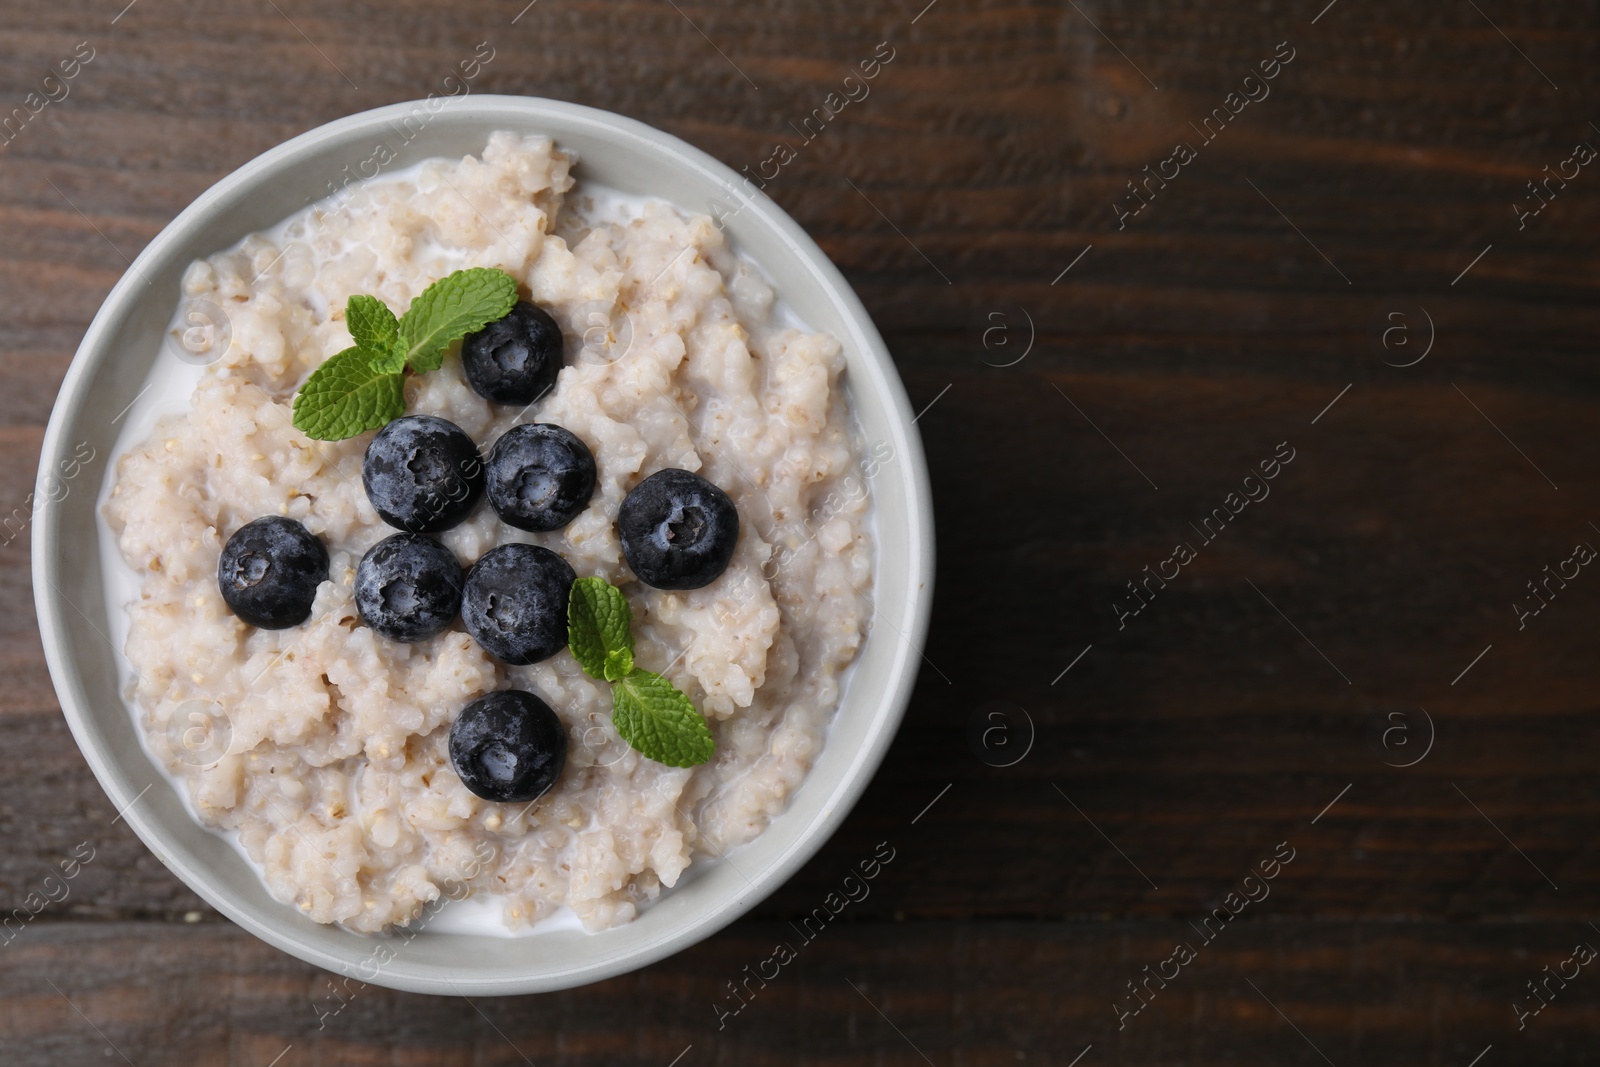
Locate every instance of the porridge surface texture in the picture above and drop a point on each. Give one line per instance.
(337, 780)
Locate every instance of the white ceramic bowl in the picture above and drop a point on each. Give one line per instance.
(112, 366)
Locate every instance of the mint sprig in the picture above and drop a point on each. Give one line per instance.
(363, 387)
(649, 712)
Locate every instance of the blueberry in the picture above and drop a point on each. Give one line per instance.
(515, 603)
(508, 746)
(423, 474)
(514, 360)
(678, 530)
(269, 572)
(540, 476)
(408, 587)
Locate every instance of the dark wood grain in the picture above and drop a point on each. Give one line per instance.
(1178, 352)
(994, 994)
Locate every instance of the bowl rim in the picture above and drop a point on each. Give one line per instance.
(51, 604)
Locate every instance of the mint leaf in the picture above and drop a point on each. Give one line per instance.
(659, 721)
(371, 323)
(619, 664)
(390, 360)
(376, 330)
(452, 307)
(349, 393)
(598, 629)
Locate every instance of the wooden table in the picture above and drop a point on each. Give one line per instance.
(1348, 270)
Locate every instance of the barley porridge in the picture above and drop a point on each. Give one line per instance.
(336, 779)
